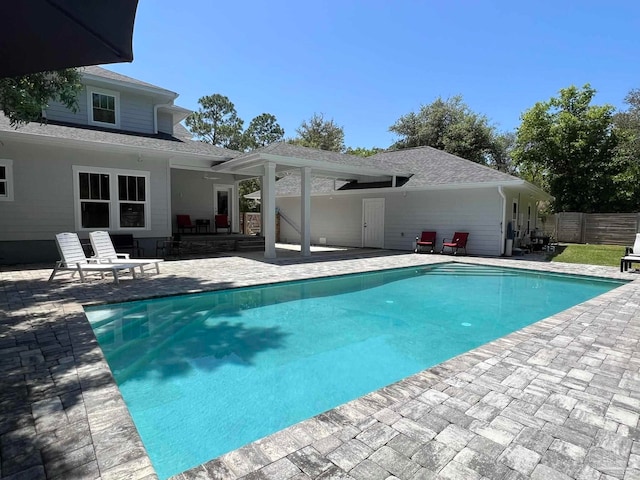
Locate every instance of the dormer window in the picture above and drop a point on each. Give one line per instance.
(104, 108)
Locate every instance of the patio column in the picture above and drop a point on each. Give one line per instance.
(305, 211)
(269, 209)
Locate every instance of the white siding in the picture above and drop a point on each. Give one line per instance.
(44, 203)
(136, 112)
(165, 123)
(339, 218)
(58, 112)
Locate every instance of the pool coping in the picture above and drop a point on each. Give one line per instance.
(78, 425)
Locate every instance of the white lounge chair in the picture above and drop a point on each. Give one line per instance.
(73, 259)
(103, 249)
(635, 250)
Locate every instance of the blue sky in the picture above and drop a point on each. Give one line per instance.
(366, 63)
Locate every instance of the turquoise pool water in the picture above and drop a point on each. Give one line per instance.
(205, 374)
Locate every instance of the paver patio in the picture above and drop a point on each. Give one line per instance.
(559, 399)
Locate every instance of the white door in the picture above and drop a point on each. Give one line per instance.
(373, 222)
(222, 200)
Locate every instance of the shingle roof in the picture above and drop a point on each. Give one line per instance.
(431, 166)
(428, 166)
(90, 134)
(108, 74)
(284, 149)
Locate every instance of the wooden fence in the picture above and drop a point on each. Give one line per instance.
(595, 228)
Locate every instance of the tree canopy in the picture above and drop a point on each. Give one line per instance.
(567, 146)
(627, 128)
(22, 99)
(447, 125)
(262, 131)
(320, 133)
(216, 122)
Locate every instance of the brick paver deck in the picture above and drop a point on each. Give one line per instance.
(559, 399)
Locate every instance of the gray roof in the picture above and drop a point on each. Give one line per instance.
(108, 74)
(431, 166)
(284, 149)
(90, 134)
(427, 166)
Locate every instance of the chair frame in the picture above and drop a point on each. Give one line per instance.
(221, 220)
(181, 219)
(458, 241)
(426, 239)
(104, 250)
(73, 259)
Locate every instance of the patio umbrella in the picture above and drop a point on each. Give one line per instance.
(39, 35)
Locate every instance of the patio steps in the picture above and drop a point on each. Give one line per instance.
(250, 243)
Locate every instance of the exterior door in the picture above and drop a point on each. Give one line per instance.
(373, 223)
(222, 200)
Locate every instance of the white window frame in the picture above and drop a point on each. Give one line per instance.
(110, 93)
(8, 166)
(114, 201)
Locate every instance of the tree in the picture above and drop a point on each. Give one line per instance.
(22, 99)
(262, 131)
(567, 145)
(363, 152)
(499, 156)
(627, 128)
(320, 133)
(216, 122)
(447, 125)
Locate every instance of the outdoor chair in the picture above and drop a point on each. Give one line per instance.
(426, 240)
(458, 241)
(184, 223)
(73, 259)
(635, 249)
(222, 221)
(104, 250)
(126, 242)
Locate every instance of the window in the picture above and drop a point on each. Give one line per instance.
(6, 180)
(104, 107)
(111, 199)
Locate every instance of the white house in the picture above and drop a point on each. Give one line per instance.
(124, 163)
(424, 189)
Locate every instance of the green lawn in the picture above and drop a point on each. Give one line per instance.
(588, 254)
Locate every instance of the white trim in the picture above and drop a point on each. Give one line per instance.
(114, 201)
(101, 91)
(231, 189)
(8, 165)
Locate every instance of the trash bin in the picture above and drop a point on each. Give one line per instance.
(508, 248)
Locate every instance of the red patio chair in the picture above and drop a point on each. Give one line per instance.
(184, 223)
(426, 239)
(222, 221)
(458, 241)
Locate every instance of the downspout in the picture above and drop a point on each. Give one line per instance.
(504, 207)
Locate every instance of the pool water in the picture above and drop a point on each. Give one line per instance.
(205, 374)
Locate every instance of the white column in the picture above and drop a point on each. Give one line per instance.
(269, 209)
(305, 211)
(235, 208)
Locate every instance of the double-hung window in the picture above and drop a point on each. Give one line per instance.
(103, 107)
(111, 199)
(6, 180)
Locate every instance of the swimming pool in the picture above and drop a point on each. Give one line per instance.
(205, 374)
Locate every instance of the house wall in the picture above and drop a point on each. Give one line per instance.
(136, 112)
(338, 218)
(165, 123)
(44, 203)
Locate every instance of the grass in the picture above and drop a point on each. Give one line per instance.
(608, 255)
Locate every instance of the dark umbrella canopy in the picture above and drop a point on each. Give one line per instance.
(39, 35)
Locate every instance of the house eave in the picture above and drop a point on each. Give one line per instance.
(38, 139)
